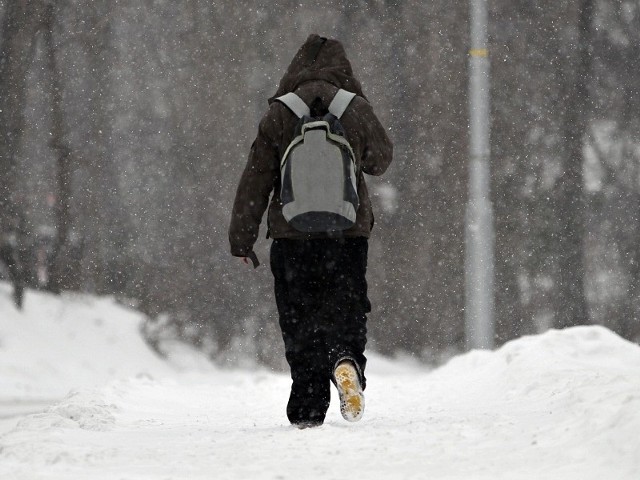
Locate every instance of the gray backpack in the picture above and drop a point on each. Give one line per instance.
(318, 169)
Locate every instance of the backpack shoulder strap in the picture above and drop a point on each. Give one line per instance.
(295, 104)
(340, 102)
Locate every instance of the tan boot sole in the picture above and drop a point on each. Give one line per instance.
(350, 391)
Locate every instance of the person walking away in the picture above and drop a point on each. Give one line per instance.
(314, 144)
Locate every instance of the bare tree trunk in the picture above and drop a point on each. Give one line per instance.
(572, 306)
(59, 273)
(107, 234)
(22, 21)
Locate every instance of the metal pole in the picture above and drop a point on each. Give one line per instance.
(479, 234)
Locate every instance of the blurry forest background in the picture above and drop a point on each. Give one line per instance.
(125, 125)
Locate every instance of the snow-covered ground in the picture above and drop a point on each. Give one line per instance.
(563, 405)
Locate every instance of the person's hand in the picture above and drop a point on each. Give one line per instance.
(251, 259)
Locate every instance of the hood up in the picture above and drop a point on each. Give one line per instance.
(319, 58)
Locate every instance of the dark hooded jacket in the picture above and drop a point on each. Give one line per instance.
(316, 73)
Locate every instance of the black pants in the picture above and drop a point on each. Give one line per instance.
(321, 293)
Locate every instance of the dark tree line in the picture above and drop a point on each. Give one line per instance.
(125, 125)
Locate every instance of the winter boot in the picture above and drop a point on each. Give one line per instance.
(350, 391)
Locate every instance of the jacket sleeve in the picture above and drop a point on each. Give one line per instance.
(378, 148)
(254, 189)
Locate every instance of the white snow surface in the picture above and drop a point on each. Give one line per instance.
(560, 405)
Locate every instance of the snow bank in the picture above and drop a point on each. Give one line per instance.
(566, 401)
(59, 343)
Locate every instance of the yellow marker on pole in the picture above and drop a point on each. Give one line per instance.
(479, 52)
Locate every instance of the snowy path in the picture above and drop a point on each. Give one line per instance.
(564, 405)
(483, 416)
